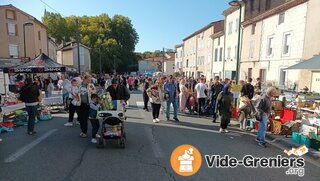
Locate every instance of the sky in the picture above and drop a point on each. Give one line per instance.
(159, 23)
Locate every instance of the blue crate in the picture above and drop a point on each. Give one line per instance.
(296, 137)
(305, 140)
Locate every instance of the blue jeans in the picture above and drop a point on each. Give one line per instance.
(213, 105)
(32, 113)
(175, 108)
(262, 129)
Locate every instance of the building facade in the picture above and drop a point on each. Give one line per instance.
(179, 55)
(218, 54)
(67, 54)
(273, 41)
(232, 31)
(198, 51)
(13, 22)
(311, 46)
(52, 49)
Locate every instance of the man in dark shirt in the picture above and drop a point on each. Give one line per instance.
(30, 94)
(248, 89)
(146, 86)
(216, 88)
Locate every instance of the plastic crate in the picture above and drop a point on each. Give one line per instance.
(296, 137)
(315, 144)
(305, 140)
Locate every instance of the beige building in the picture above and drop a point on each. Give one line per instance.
(67, 54)
(12, 23)
(198, 50)
(169, 63)
(273, 41)
(311, 46)
(250, 52)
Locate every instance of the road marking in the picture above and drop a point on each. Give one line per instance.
(140, 103)
(25, 149)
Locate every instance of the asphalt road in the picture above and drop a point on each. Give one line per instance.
(57, 152)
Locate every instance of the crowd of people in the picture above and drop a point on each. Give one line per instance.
(210, 98)
(214, 98)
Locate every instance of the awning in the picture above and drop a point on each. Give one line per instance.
(41, 64)
(310, 64)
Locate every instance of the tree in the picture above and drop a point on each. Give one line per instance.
(114, 38)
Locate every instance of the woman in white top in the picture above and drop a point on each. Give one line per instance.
(156, 95)
(184, 93)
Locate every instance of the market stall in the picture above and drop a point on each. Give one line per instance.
(12, 111)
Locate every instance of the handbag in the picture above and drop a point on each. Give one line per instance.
(257, 115)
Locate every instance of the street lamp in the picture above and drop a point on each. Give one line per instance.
(24, 37)
(237, 3)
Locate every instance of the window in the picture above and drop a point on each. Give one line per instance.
(220, 54)
(216, 54)
(263, 75)
(230, 28)
(235, 52)
(229, 52)
(219, 41)
(40, 50)
(281, 18)
(13, 51)
(251, 49)
(286, 44)
(253, 29)
(249, 72)
(12, 29)
(237, 25)
(270, 46)
(10, 14)
(187, 63)
(39, 35)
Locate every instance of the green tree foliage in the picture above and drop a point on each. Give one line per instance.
(114, 38)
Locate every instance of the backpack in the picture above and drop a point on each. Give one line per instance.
(250, 90)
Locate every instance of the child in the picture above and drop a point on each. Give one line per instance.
(94, 107)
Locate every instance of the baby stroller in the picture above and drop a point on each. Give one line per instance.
(112, 128)
(191, 104)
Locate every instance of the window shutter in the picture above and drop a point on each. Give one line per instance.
(16, 29)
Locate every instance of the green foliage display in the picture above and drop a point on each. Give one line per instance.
(115, 38)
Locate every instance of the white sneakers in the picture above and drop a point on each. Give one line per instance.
(83, 135)
(68, 124)
(94, 140)
(223, 130)
(156, 120)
